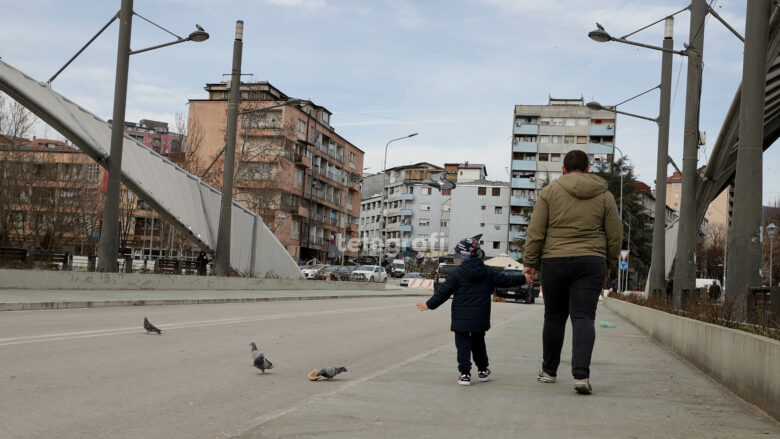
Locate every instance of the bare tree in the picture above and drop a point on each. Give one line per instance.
(15, 121)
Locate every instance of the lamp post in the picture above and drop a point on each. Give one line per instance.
(441, 219)
(109, 234)
(384, 183)
(770, 230)
(222, 264)
(657, 262)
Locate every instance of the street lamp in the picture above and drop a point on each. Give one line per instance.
(109, 235)
(657, 262)
(384, 183)
(770, 230)
(441, 219)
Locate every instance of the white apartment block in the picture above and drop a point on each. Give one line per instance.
(481, 207)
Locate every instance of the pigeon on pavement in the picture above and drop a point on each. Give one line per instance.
(150, 327)
(328, 372)
(260, 362)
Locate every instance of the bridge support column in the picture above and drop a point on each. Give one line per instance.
(744, 250)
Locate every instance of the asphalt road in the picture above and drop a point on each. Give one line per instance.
(88, 373)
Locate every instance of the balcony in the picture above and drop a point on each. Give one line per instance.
(406, 212)
(515, 236)
(523, 165)
(518, 219)
(606, 129)
(302, 160)
(521, 202)
(526, 129)
(523, 183)
(405, 228)
(598, 148)
(407, 197)
(405, 244)
(524, 147)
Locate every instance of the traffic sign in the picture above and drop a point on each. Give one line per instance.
(623, 265)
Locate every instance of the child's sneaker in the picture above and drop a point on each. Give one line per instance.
(464, 380)
(484, 375)
(545, 377)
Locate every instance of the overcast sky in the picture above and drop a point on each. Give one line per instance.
(451, 70)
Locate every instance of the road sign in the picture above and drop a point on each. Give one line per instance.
(623, 265)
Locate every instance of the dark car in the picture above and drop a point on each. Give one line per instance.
(523, 294)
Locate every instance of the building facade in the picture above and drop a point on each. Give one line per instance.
(292, 168)
(541, 137)
(481, 207)
(718, 212)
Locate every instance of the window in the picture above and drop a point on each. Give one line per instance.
(496, 244)
(555, 157)
(424, 222)
(496, 192)
(544, 139)
(498, 210)
(568, 140)
(352, 157)
(557, 139)
(481, 242)
(325, 118)
(483, 207)
(497, 227)
(482, 191)
(426, 191)
(295, 228)
(446, 192)
(482, 224)
(581, 140)
(543, 156)
(298, 182)
(301, 127)
(444, 223)
(445, 207)
(570, 122)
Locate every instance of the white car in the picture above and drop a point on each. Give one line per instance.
(409, 276)
(309, 271)
(370, 273)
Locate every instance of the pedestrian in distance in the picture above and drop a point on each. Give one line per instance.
(203, 262)
(574, 235)
(714, 293)
(471, 285)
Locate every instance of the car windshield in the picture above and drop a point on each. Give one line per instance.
(332, 268)
(398, 265)
(412, 275)
(365, 268)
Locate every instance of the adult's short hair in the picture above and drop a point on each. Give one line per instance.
(576, 160)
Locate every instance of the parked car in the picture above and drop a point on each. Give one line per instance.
(398, 268)
(309, 271)
(441, 274)
(523, 294)
(408, 276)
(369, 273)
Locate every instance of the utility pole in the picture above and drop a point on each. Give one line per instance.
(685, 265)
(658, 260)
(745, 239)
(222, 264)
(109, 233)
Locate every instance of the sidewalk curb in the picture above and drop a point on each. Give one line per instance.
(35, 306)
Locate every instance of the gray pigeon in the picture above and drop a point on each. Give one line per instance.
(260, 362)
(330, 372)
(150, 327)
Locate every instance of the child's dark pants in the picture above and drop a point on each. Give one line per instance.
(471, 344)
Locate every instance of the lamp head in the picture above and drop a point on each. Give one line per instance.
(771, 229)
(198, 36)
(600, 35)
(593, 105)
(412, 135)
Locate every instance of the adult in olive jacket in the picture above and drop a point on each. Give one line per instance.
(575, 233)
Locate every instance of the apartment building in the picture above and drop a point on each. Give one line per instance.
(370, 226)
(292, 168)
(481, 207)
(154, 135)
(718, 211)
(541, 137)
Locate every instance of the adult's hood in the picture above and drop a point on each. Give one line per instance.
(582, 186)
(473, 269)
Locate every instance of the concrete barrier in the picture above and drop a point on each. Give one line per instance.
(747, 364)
(76, 280)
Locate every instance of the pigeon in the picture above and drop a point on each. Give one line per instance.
(261, 362)
(439, 182)
(150, 327)
(597, 25)
(199, 27)
(328, 372)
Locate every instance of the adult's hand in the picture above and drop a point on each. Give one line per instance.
(529, 273)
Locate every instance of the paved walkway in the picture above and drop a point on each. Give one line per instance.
(12, 300)
(641, 390)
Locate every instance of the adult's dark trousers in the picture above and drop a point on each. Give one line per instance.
(571, 287)
(471, 344)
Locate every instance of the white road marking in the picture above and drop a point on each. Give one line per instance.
(181, 325)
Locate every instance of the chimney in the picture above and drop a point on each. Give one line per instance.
(34, 137)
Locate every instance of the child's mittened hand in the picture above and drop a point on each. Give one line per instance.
(422, 306)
